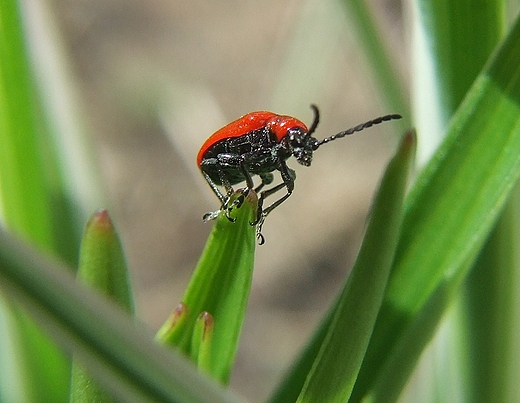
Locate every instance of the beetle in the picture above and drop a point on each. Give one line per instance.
(259, 143)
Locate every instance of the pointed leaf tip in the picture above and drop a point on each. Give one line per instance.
(102, 263)
(220, 284)
(102, 266)
(202, 341)
(100, 220)
(207, 320)
(409, 140)
(172, 330)
(328, 368)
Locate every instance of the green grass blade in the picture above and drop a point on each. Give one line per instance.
(392, 377)
(26, 355)
(102, 263)
(291, 385)
(102, 266)
(461, 38)
(113, 347)
(327, 369)
(336, 367)
(491, 372)
(457, 39)
(490, 310)
(203, 341)
(220, 285)
(25, 202)
(392, 88)
(452, 42)
(25, 209)
(455, 202)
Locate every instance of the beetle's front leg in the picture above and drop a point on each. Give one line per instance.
(288, 176)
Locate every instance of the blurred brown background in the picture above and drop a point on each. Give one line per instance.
(155, 78)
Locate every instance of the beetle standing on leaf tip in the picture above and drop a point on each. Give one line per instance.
(258, 144)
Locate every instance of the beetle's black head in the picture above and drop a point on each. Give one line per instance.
(302, 142)
(302, 145)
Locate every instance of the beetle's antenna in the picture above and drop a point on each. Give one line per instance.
(358, 128)
(316, 120)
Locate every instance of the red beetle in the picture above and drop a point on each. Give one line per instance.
(258, 144)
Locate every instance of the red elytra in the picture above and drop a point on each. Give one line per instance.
(278, 124)
(258, 144)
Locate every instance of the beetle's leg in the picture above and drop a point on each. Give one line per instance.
(288, 180)
(237, 203)
(234, 160)
(259, 237)
(267, 179)
(225, 182)
(214, 187)
(214, 164)
(223, 199)
(220, 164)
(263, 195)
(249, 182)
(288, 176)
(226, 207)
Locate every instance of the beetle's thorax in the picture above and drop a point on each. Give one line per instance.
(281, 125)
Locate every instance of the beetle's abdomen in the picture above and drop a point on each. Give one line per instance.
(254, 151)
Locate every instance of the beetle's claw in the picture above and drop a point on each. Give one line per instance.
(241, 197)
(211, 215)
(228, 207)
(237, 203)
(258, 217)
(260, 238)
(228, 214)
(259, 223)
(259, 213)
